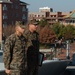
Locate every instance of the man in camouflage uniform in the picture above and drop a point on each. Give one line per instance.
(14, 52)
(33, 49)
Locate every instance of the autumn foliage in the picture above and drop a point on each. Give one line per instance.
(47, 35)
(8, 30)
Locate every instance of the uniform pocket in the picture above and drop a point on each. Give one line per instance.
(14, 66)
(15, 72)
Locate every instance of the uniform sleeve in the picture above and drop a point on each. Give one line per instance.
(7, 54)
(28, 41)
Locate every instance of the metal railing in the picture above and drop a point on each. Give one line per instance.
(2, 45)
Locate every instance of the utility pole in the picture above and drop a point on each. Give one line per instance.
(67, 49)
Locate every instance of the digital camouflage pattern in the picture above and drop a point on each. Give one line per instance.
(32, 52)
(20, 23)
(15, 54)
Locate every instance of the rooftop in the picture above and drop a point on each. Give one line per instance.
(44, 8)
(5, 1)
(8, 1)
(23, 3)
(71, 15)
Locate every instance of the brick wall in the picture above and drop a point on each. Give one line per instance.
(14, 12)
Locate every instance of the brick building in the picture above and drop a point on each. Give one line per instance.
(12, 11)
(53, 17)
(36, 15)
(49, 15)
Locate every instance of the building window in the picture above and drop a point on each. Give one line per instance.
(73, 21)
(4, 24)
(35, 15)
(16, 15)
(51, 15)
(42, 15)
(54, 15)
(23, 9)
(23, 17)
(4, 7)
(16, 6)
(38, 15)
(12, 6)
(5, 16)
(12, 23)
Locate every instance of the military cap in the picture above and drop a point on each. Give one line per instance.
(20, 23)
(34, 22)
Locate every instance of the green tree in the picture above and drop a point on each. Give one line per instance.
(43, 22)
(69, 32)
(58, 29)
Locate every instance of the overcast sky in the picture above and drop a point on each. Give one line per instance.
(57, 5)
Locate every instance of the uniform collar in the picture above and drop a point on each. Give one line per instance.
(31, 32)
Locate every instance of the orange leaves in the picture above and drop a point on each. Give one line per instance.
(47, 35)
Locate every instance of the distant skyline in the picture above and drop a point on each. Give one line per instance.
(57, 5)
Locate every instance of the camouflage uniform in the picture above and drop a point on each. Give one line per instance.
(14, 54)
(32, 52)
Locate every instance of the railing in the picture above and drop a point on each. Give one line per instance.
(50, 53)
(2, 45)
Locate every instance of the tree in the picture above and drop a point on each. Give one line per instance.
(43, 22)
(47, 35)
(58, 29)
(69, 32)
(8, 30)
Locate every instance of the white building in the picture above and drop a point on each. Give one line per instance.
(45, 9)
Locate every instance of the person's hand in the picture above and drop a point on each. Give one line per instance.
(7, 71)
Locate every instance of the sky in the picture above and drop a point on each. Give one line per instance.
(57, 5)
